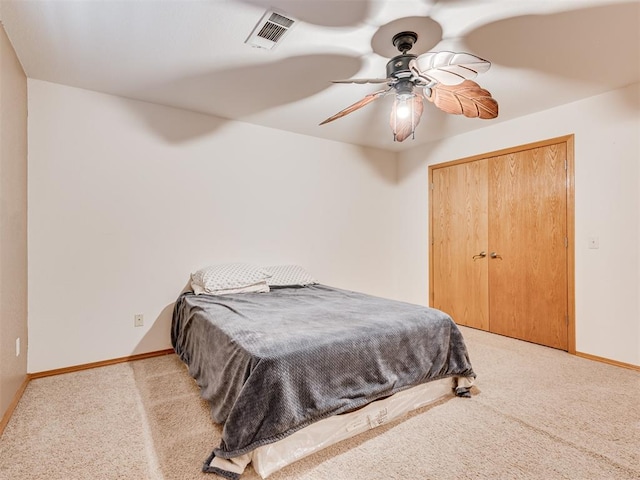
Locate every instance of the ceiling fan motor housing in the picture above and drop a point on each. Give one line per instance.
(398, 67)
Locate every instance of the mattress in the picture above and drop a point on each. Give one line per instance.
(272, 364)
(270, 458)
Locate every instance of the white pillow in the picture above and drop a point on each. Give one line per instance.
(227, 276)
(257, 288)
(288, 275)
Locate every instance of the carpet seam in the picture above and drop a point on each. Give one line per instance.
(152, 459)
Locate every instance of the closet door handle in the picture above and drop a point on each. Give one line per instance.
(495, 255)
(480, 255)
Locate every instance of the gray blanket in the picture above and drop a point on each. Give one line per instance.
(272, 363)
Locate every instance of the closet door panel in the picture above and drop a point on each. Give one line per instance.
(527, 249)
(459, 223)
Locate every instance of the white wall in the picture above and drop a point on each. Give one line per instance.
(127, 198)
(13, 224)
(607, 205)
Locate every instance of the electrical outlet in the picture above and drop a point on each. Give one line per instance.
(138, 320)
(18, 347)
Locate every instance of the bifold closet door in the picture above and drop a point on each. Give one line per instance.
(459, 249)
(527, 254)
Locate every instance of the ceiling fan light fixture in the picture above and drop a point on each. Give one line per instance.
(404, 88)
(403, 108)
(442, 78)
(405, 116)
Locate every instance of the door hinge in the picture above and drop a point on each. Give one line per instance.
(431, 185)
(566, 242)
(566, 165)
(566, 319)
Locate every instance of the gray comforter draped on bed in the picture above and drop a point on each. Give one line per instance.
(272, 363)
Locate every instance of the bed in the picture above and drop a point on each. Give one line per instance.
(294, 369)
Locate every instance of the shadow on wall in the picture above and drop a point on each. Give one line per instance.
(381, 162)
(161, 328)
(181, 126)
(437, 121)
(239, 92)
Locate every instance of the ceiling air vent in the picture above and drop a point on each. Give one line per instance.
(270, 30)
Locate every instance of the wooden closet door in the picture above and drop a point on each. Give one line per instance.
(459, 223)
(528, 238)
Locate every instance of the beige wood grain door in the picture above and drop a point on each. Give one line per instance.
(528, 287)
(460, 242)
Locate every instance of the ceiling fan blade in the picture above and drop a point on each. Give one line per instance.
(468, 99)
(352, 108)
(403, 126)
(449, 68)
(362, 81)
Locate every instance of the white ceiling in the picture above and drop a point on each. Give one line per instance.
(193, 55)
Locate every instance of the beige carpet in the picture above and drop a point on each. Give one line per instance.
(537, 413)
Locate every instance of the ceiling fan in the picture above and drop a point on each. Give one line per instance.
(443, 78)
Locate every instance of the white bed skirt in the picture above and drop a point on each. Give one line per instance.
(274, 456)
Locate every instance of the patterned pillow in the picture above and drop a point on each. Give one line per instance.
(288, 275)
(227, 276)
